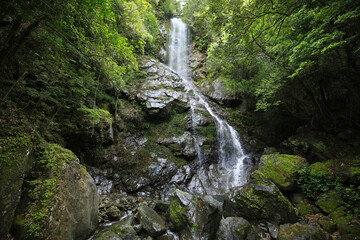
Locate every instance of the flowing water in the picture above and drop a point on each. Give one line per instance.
(232, 169)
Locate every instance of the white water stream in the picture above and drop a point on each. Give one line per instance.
(230, 170)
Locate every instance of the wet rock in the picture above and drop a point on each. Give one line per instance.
(330, 201)
(135, 183)
(162, 91)
(152, 223)
(181, 146)
(259, 199)
(168, 236)
(189, 213)
(217, 91)
(233, 228)
(183, 174)
(113, 213)
(301, 232)
(282, 169)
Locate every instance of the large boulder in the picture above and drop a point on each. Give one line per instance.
(162, 91)
(328, 202)
(301, 232)
(195, 215)
(282, 169)
(63, 200)
(14, 163)
(151, 222)
(345, 169)
(259, 199)
(218, 91)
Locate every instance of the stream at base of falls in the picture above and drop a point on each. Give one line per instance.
(232, 167)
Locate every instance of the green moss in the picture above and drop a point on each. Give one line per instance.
(177, 125)
(344, 222)
(282, 169)
(320, 168)
(330, 201)
(328, 225)
(208, 132)
(305, 208)
(43, 189)
(177, 215)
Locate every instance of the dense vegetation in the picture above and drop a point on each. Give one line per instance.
(301, 57)
(67, 58)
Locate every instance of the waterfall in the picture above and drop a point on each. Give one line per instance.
(231, 169)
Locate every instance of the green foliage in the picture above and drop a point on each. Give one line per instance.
(313, 184)
(289, 54)
(169, 8)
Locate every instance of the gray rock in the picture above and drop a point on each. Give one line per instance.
(163, 89)
(233, 228)
(72, 213)
(113, 213)
(185, 143)
(217, 91)
(152, 223)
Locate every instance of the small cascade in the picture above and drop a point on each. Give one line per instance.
(231, 169)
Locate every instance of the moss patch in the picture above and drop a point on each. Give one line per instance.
(282, 169)
(177, 215)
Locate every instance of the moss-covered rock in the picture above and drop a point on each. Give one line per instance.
(330, 201)
(259, 199)
(305, 207)
(346, 223)
(282, 169)
(177, 215)
(328, 225)
(301, 231)
(14, 163)
(193, 214)
(345, 169)
(233, 228)
(62, 201)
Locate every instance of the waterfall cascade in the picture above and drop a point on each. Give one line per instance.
(231, 169)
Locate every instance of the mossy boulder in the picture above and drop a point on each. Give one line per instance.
(305, 207)
(233, 228)
(345, 169)
(301, 231)
(282, 169)
(329, 201)
(259, 199)
(62, 200)
(346, 223)
(14, 163)
(328, 225)
(190, 213)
